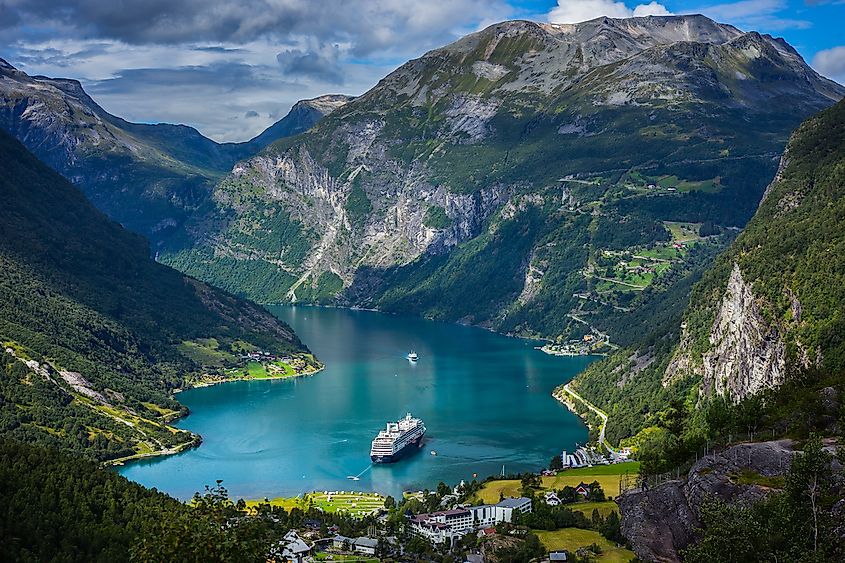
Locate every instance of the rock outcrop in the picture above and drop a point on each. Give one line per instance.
(747, 353)
(661, 522)
(658, 523)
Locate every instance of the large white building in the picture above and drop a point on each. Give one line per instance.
(449, 525)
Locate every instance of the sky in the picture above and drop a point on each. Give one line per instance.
(231, 69)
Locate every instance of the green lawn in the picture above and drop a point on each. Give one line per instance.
(658, 252)
(259, 370)
(615, 469)
(323, 556)
(280, 369)
(205, 351)
(356, 504)
(256, 370)
(586, 508)
(710, 185)
(606, 475)
(571, 539)
(683, 232)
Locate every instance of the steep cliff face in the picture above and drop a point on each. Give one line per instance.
(747, 353)
(483, 181)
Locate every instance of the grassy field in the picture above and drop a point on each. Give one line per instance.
(259, 370)
(356, 504)
(323, 556)
(586, 508)
(606, 475)
(683, 232)
(205, 351)
(711, 185)
(659, 253)
(571, 539)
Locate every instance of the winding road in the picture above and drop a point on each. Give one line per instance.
(601, 414)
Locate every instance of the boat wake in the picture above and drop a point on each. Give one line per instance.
(358, 477)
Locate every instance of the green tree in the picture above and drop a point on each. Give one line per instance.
(389, 502)
(612, 528)
(596, 492)
(443, 489)
(809, 482)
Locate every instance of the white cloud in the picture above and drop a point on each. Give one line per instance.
(575, 11)
(831, 63)
(651, 9)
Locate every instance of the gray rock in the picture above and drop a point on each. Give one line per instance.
(658, 523)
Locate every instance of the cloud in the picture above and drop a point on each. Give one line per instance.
(575, 11)
(208, 62)
(250, 114)
(651, 9)
(366, 25)
(321, 62)
(831, 63)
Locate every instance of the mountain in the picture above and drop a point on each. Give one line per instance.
(147, 177)
(95, 335)
(536, 179)
(302, 116)
(767, 318)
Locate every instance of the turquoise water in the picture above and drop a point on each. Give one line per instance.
(485, 400)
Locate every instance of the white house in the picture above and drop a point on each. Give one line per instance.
(448, 525)
(292, 548)
(364, 545)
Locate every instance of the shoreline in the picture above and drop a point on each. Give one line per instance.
(568, 397)
(202, 384)
(547, 350)
(196, 440)
(545, 339)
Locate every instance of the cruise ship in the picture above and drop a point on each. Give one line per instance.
(397, 440)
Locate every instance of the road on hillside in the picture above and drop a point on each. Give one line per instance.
(600, 413)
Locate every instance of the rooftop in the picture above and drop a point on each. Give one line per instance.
(366, 542)
(513, 502)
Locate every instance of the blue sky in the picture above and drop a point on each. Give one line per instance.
(233, 68)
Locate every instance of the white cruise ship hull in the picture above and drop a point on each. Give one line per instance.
(409, 448)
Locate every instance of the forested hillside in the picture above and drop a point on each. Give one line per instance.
(64, 509)
(766, 326)
(95, 335)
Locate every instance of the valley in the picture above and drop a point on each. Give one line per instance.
(599, 262)
(471, 185)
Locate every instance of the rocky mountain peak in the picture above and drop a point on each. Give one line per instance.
(5, 66)
(522, 57)
(325, 104)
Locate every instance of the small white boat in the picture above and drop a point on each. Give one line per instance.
(353, 478)
(413, 356)
(433, 452)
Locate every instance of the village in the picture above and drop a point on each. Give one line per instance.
(565, 512)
